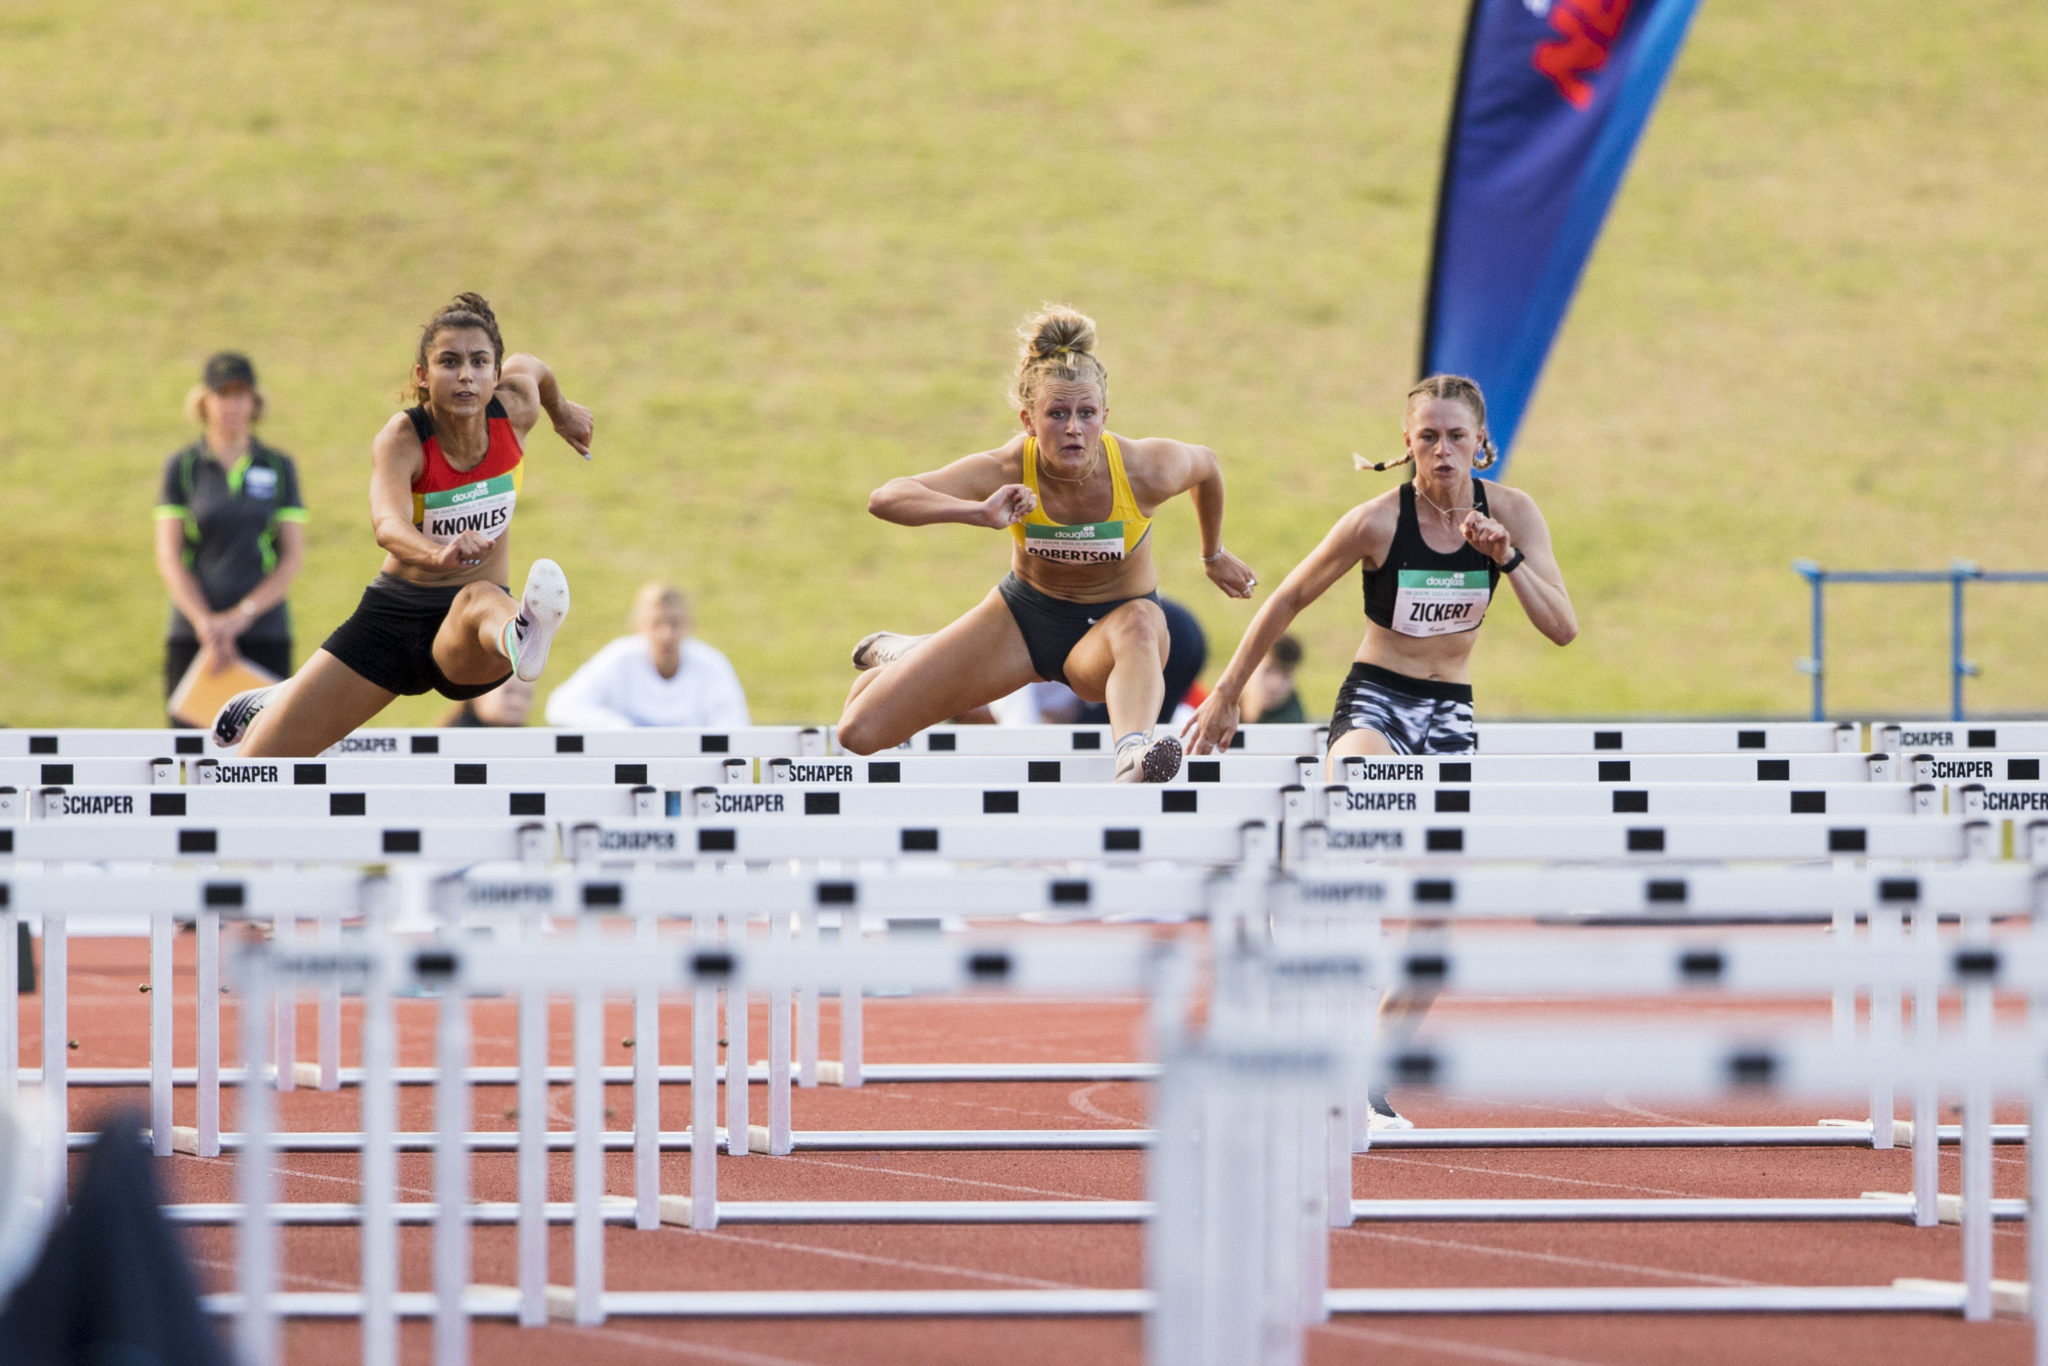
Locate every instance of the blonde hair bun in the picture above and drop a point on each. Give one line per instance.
(1058, 346)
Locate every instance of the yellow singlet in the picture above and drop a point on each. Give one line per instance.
(1084, 542)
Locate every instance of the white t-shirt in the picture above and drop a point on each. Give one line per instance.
(618, 687)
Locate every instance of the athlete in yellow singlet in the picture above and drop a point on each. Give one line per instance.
(1080, 604)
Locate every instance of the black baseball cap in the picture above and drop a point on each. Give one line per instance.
(225, 369)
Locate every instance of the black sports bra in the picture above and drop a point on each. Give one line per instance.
(1417, 591)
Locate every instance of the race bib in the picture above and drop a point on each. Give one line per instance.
(1440, 602)
(1085, 543)
(484, 507)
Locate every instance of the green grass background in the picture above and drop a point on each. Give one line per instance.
(779, 249)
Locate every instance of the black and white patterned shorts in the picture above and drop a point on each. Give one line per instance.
(1416, 715)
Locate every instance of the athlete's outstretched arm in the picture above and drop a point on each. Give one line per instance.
(1167, 468)
(537, 390)
(395, 461)
(1539, 583)
(972, 491)
(1212, 725)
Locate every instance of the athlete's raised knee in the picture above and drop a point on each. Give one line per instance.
(860, 732)
(1141, 625)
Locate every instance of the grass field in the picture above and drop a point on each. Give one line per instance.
(779, 249)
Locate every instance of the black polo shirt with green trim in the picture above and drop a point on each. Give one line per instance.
(231, 516)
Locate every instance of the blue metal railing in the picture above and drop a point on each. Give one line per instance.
(1955, 576)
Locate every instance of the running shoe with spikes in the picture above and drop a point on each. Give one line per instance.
(1381, 1113)
(231, 722)
(1142, 761)
(877, 648)
(541, 609)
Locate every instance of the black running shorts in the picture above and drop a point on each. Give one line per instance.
(1052, 626)
(1416, 715)
(389, 639)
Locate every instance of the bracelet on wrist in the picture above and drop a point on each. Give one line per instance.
(1513, 562)
(1211, 559)
(247, 608)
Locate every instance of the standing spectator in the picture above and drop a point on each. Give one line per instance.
(1269, 694)
(661, 675)
(230, 532)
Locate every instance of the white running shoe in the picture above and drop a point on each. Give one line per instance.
(1157, 762)
(541, 609)
(877, 648)
(231, 722)
(1381, 1113)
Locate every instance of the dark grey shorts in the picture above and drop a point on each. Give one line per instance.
(1416, 715)
(1051, 626)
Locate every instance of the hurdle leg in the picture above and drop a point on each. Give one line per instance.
(379, 1165)
(451, 1178)
(738, 1134)
(779, 1139)
(208, 952)
(1843, 923)
(1977, 1030)
(1886, 1027)
(161, 1031)
(533, 1150)
(646, 1089)
(10, 1006)
(329, 1042)
(807, 998)
(589, 1146)
(56, 1064)
(852, 1030)
(1926, 1097)
(1174, 1235)
(256, 1253)
(704, 1087)
(284, 929)
(2037, 1168)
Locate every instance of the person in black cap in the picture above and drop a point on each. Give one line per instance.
(230, 531)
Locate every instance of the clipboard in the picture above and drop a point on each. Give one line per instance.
(200, 694)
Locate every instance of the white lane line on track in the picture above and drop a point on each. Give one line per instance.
(1470, 1350)
(303, 1281)
(877, 1259)
(675, 1347)
(811, 1160)
(1079, 1099)
(1526, 1176)
(926, 1096)
(1553, 1258)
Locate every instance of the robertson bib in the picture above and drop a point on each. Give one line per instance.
(1083, 542)
(446, 501)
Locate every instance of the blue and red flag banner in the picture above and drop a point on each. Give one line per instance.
(1552, 97)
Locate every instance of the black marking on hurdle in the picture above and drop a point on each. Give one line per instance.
(435, 965)
(598, 895)
(1701, 965)
(885, 771)
(941, 742)
(6, 896)
(1974, 964)
(189, 744)
(1444, 841)
(1435, 891)
(166, 803)
(925, 841)
(1848, 840)
(715, 964)
(1042, 771)
(988, 965)
(223, 895)
(472, 775)
(998, 803)
(1983, 739)
(1415, 1066)
(1647, 839)
(401, 841)
(630, 774)
(1666, 891)
(309, 775)
(1749, 739)
(1427, 967)
(1237, 740)
(568, 744)
(1895, 889)
(1631, 801)
(58, 775)
(1752, 1067)
(717, 841)
(1606, 739)
(198, 841)
(1809, 803)
(6, 841)
(1774, 770)
(526, 804)
(1086, 739)
(348, 804)
(713, 744)
(1071, 892)
(1456, 803)
(426, 744)
(821, 803)
(837, 893)
(1614, 770)
(42, 744)
(2023, 770)
(1459, 772)
(1122, 841)
(1179, 801)
(1205, 770)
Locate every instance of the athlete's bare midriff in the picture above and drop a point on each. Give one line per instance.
(1440, 659)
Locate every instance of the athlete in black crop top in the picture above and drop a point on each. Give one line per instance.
(1431, 553)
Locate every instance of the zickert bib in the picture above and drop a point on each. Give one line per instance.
(484, 507)
(1081, 543)
(1440, 602)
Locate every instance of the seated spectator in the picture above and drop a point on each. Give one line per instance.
(1269, 693)
(662, 675)
(508, 704)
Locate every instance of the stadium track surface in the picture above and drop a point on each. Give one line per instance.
(110, 1022)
